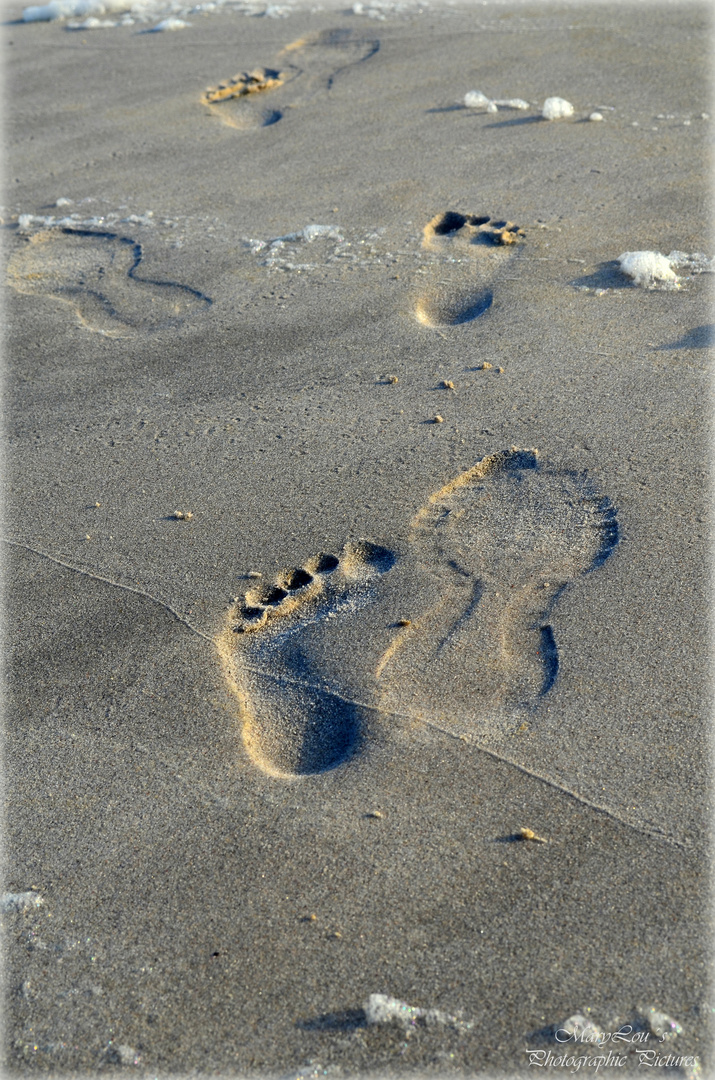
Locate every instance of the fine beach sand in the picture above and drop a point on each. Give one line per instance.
(355, 519)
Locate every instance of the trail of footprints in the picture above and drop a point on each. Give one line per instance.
(318, 663)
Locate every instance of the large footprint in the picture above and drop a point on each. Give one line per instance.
(474, 250)
(315, 59)
(501, 542)
(277, 655)
(489, 556)
(96, 273)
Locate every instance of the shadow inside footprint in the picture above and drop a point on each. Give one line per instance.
(294, 722)
(96, 273)
(452, 308)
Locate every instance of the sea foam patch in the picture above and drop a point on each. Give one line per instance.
(383, 1009)
(171, 13)
(475, 99)
(556, 108)
(20, 903)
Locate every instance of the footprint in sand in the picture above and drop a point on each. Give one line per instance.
(276, 653)
(489, 555)
(317, 60)
(475, 250)
(96, 273)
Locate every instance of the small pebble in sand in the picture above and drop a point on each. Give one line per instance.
(486, 366)
(375, 814)
(529, 834)
(87, 536)
(181, 515)
(335, 934)
(555, 108)
(437, 419)
(392, 379)
(254, 574)
(447, 385)
(500, 370)
(404, 622)
(97, 504)
(596, 116)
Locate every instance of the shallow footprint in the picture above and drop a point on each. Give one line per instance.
(297, 718)
(324, 56)
(316, 60)
(479, 246)
(96, 273)
(500, 542)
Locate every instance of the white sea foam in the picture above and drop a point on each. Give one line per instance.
(28, 223)
(661, 1025)
(511, 103)
(697, 263)
(66, 9)
(20, 902)
(580, 1027)
(171, 12)
(555, 108)
(648, 269)
(383, 1009)
(168, 24)
(475, 99)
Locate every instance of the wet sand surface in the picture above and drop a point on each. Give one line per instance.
(248, 803)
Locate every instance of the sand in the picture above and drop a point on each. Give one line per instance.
(355, 520)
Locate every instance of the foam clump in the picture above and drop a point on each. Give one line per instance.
(13, 903)
(169, 24)
(556, 108)
(511, 103)
(91, 23)
(310, 233)
(383, 1009)
(475, 99)
(659, 1024)
(579, 1027)
(647, 268)
(65, 9)
(697, 263)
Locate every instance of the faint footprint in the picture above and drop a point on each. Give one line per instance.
(478, 246)
(326, 55)
(489, 556)
(276, 653)
(500, 542)
(96, 274)
(316, 60)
